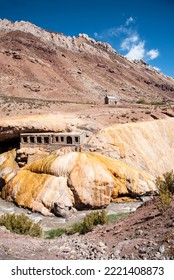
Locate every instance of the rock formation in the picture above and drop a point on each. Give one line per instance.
(43, 193)
(79, 44)
(56, 184)
(146, 145)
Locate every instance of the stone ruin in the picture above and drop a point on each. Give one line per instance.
(37, 145)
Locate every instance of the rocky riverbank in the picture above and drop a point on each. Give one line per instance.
(143, 234)
(48, 223)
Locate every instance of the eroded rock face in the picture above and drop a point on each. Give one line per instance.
(8, 167)
(146, 145)
(43, 193)
(94, 179)
(59, 183)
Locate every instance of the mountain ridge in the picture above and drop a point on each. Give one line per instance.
(36, 63)
(57, 38)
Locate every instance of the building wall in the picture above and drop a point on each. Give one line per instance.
(110, 100)
(50, 141)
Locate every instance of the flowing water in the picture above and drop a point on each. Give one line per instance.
(54, 222)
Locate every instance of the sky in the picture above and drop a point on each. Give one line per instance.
(137, 29)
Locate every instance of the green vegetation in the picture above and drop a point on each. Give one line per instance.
(93, 219)
(165, 187)
(141, 101)
(56, 232)
(87, 225)
(20, 224)
(152, 102)
(114, 217)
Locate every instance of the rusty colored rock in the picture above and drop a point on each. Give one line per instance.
(43, 193)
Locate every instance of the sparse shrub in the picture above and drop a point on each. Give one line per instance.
(87, 225)
(165, 187)
(20, 224)
(141, 101)
(164, 201)
(93, 219)
(114, 217)
(167, 182)
(156, 102)
(56, 232)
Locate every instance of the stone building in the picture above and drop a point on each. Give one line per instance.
(110, 99)
(51, 141)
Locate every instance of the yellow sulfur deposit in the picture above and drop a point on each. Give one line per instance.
(58, 183)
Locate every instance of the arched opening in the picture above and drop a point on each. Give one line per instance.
(69, 140)
(9, 144)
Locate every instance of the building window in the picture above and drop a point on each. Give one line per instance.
(39, 140)
(24, 139)
(62, 139)
(76, 139)
(69, 140)
(31, 139)
(55, 139)
(46, 140)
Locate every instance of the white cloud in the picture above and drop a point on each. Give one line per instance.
(129, 21)
(127, 42)
(152, 54)
(136, 51)
(131, 44)
(116, 31)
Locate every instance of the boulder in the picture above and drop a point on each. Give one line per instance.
(43, 193)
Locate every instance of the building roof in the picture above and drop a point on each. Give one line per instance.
(110, 97)
(73, 133)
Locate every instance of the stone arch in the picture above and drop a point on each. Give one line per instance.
(69, 140)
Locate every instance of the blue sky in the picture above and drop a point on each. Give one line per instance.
(135, 28)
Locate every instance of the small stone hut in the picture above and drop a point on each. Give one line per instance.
(110, 99)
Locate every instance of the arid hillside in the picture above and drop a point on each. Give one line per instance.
(46, 65)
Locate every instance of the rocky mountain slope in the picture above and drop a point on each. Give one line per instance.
(36, 63)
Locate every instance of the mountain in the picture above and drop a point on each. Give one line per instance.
(41, 64)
